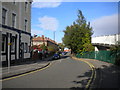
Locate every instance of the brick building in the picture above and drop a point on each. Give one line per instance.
(44, 40)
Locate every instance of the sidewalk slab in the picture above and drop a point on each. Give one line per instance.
(108, 74)
(21, 69)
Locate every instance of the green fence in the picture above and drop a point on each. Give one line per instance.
(106, 56)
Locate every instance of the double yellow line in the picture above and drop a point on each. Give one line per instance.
(92, 78)
(93, 75)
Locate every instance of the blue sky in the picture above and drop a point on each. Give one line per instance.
(49, 17)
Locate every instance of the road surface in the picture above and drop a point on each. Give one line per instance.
(62, 73)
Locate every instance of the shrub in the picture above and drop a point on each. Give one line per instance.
(116, 51)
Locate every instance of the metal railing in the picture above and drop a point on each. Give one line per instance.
(106, 56)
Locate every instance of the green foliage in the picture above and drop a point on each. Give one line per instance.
(51, 49)
(61, 46)
(77, 37)
(116, 51)
(43, 47)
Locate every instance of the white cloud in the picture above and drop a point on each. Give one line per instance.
(48, 23)
(36, 32)
(76, 0)
(46, 3)
(62, 1)
(105, 25)
(91, 0)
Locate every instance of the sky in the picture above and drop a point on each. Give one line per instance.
(50, 17)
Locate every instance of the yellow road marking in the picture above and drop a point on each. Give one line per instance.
(26, 73)
(88, 84)
(93, 76)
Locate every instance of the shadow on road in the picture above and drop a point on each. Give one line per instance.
(82, 80)
(106, 77)
(109, 76)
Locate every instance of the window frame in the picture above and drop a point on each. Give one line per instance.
(26, 48)
(25, 22)
(4, 45)
(4, 16)
(26, 6)
(14, 2)
(13, 44)
(13, 20)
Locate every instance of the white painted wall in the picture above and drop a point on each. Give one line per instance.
(3, 58)
(12, 57)
(4, 31)
(21, 15)
(26, 39)
(108, 39)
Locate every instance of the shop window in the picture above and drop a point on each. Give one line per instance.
(13, 44)
(26, 48)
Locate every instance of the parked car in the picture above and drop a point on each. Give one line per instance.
(56, 56)
(64, 53)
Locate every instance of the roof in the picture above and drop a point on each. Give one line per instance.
(41, 39)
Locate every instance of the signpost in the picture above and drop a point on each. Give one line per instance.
(9, 59)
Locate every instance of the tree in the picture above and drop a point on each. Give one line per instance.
(51, 49)
(43, 47)
(61, 46)
(77, 36)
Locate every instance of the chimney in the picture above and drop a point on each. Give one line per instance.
(42, 36)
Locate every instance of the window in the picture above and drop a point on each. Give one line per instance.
(26, 5)
(26, 48)
(13, 44)
(13, 19)
(3, 43)
(4, 11)
(25, 25)
(29, 47)
(14, 2)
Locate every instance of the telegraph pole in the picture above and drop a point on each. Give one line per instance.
(54, 35)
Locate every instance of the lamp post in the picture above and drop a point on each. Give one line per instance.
(54, 34)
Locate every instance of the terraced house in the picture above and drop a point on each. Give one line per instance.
(16, 31)
(44, 40)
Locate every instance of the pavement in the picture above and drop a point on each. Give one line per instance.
(23, 68)
(107, 74)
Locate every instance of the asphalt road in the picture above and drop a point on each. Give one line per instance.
(62, 73)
